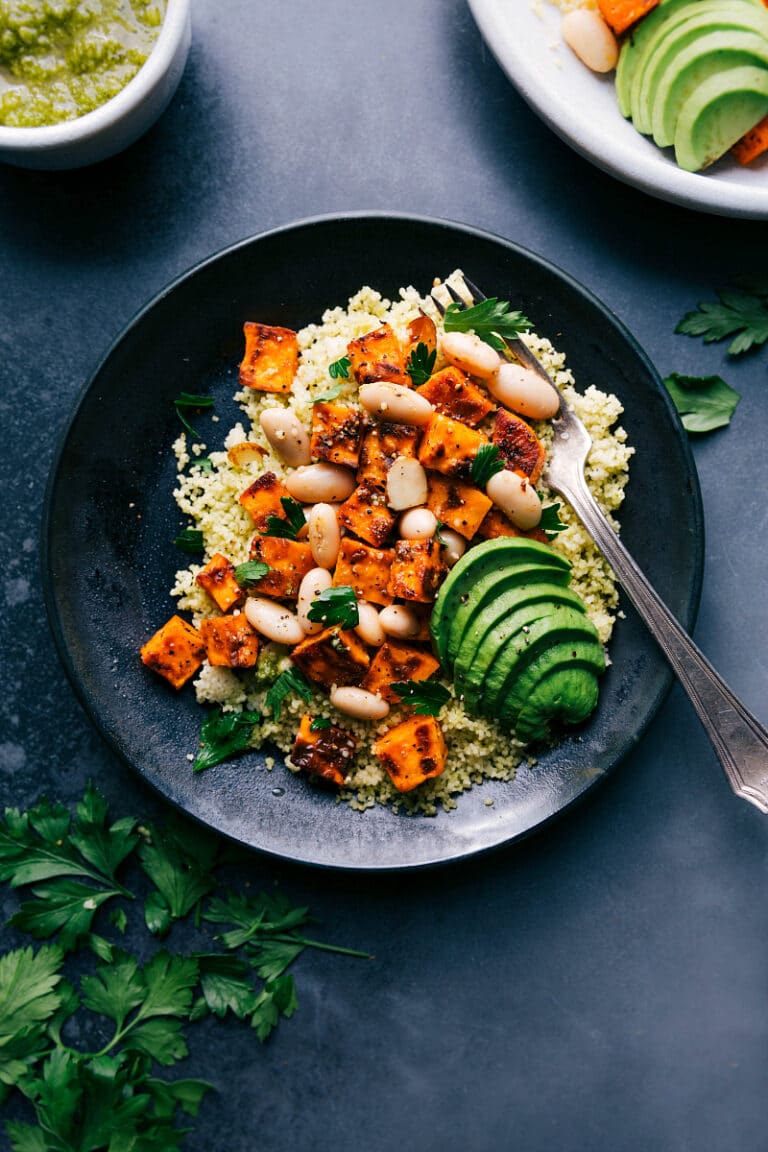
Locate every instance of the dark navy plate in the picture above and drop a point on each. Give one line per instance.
(110, 519)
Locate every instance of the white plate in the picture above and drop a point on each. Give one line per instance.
(524, 36)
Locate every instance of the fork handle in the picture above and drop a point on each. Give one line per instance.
(740, 741)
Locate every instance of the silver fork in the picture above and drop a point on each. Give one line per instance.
(740, 741)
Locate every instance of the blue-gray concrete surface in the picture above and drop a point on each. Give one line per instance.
(602, 985)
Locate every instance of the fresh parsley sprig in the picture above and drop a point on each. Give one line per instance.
(337, 605)
(288, 528)
(189, 402)
(550, 522)
(421, 364)
(190, 540)
(224, 735)
(426, 697)
(487, 463)
(251, 572)
(741, 314)
(491, 320)
(179, 860)
(704, 402)
(291, 682)
(332, 394)
(339, 369)
(320, 722)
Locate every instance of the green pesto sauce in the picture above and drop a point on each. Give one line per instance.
(62, 58)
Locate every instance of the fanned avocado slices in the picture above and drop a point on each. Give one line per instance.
(565, 696)
(574, 656)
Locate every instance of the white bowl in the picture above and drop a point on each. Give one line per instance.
(120, 121)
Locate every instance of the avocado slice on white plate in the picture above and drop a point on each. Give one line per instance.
(719, 113)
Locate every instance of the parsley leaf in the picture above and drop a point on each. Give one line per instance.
(743, 315)
(287, 682)
(289, 527)
(65, 906)
(179, 862)
(29, 998)
(550, 521)
(439, 534)
(250, 573)
(339, 369)
(169, 1095)
(320, 722)
(491, 320)
(227, 984)
(204, 463)
(337, 605)
(332, 394)
(704, 402)
(104, 847)
(426, 697)
(187, 402)
(487, 463)
(421, 364)
(277, 999)
(190, 540)
(223, 735)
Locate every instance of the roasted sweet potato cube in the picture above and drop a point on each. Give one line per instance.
(622, 14)
(332, 657)
(230, 642)
(378, 356)
(327, 753)
(421, 330)
(271, 358)
(365, 569)
(218, 580)
(449, 446)
(518, 445)
(497, 524)
(417, 570)
(289, 561)
(395, 663)
(366, 514)
(175, 652)
(458, 506)
(337, 430)
(382, 444)
(262, 499)
(412, 752)
(453, 394)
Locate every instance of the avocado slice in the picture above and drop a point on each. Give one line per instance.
(566, 696)
(709, 54)
(486, 591)
(491, 556)
(571, 654)
(562, 623)
(718, 114)
(682, 29)
(503, 619)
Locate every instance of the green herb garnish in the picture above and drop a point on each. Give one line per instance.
(339, 369)
(190, 540)
(251, 572)
(421, 364)
(336, 605)
(743, 315)
(320, 722)
(426, 697)
(330, 395)
(486, 463)
(439, 534)
(179, 861)
(550, 522)
(288, 528)
(491, 320)
(204, 463)
(224, 734)
(188, 402)
(289, 682)
(704, 402)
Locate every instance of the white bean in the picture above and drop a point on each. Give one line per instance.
(287, 436)
(359, 703)
(589, 37)
(315, 582)
(321, 482)
(400, 621)
(516, 497)
(369, 628)
(394, 402)
(524, 392)
(454, 546)
(469, 353)
(324, 535)
(417, 524)
(406, 483)
(273, 620)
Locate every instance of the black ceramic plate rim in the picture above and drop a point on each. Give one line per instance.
(695, 585)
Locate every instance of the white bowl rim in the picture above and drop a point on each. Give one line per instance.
(91, 123)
